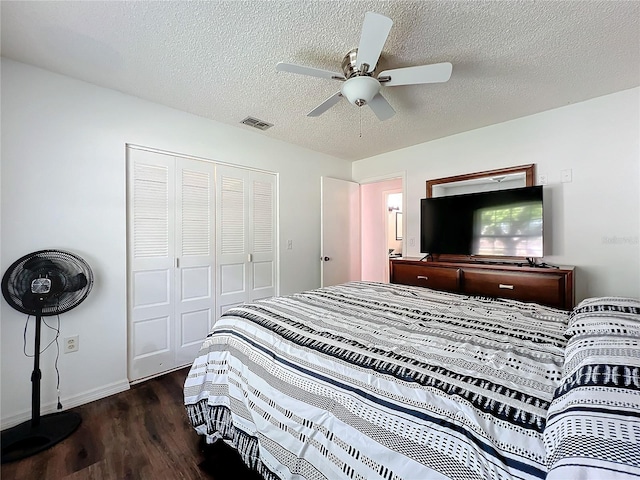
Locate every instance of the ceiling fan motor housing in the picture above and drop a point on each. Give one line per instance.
(350, 67)
(349, 63)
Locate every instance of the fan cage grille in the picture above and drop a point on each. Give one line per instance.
(71, 279)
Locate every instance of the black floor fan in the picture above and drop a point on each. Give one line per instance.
(43, 283)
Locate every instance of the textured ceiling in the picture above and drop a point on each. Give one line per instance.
(217, 60)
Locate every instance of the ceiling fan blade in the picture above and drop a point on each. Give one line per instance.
(381, 107)
(375, 31)
(326, 105)
(436, 73)
(313, 72)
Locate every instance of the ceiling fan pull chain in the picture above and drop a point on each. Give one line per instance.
(360, 122)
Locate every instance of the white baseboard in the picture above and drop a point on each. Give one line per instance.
(69, 402)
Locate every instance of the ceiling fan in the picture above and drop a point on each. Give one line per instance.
(361, 83)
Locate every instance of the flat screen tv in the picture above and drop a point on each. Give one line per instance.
(503, 223)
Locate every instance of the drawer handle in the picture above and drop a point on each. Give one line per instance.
(505, 286)
(422, 277)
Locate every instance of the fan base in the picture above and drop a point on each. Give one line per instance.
(25, 440)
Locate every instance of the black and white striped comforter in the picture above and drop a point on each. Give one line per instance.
(380, 381)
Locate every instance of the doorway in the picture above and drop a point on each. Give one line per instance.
(382, 227)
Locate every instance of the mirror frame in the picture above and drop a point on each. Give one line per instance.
(529, 171)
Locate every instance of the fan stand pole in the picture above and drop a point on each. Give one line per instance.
(36, 376)
(40, 433)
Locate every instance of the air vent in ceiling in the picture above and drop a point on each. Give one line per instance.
(256, 123)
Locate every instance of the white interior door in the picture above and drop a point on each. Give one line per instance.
(232, 245)
(151, 258)
(340, 231)
(171, 260)
(246, 226)
(262, 225)
(195, 273)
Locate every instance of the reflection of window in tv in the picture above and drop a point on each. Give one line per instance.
(513, 230)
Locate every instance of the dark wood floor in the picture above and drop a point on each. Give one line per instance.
(142, 433)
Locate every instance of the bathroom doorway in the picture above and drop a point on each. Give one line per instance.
(382, 227)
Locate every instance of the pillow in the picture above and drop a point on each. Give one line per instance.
(605, 315)
(593, 423)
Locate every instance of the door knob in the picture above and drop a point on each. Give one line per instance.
(326, 259)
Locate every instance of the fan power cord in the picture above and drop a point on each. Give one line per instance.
(57, 329)
(56, 340)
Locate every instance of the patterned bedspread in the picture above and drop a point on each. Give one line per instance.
(381, 381)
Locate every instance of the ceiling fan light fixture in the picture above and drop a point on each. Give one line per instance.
(360, 90)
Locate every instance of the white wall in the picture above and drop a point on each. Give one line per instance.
(63, 186)
(592, 222)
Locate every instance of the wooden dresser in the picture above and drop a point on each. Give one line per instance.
(547, 286)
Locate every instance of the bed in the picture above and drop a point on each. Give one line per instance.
(382, 381)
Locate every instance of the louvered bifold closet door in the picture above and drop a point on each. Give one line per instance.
(195, 272)
(246, 236)
(262, 226)
(171, 211)
(232, 246)
(151, 193)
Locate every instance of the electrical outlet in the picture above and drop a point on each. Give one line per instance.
(289, 244)
(565, 175)
(71, 344)
(542, 179)
(412, 242)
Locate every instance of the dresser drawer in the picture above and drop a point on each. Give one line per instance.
(547, 289)
(422, 276)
